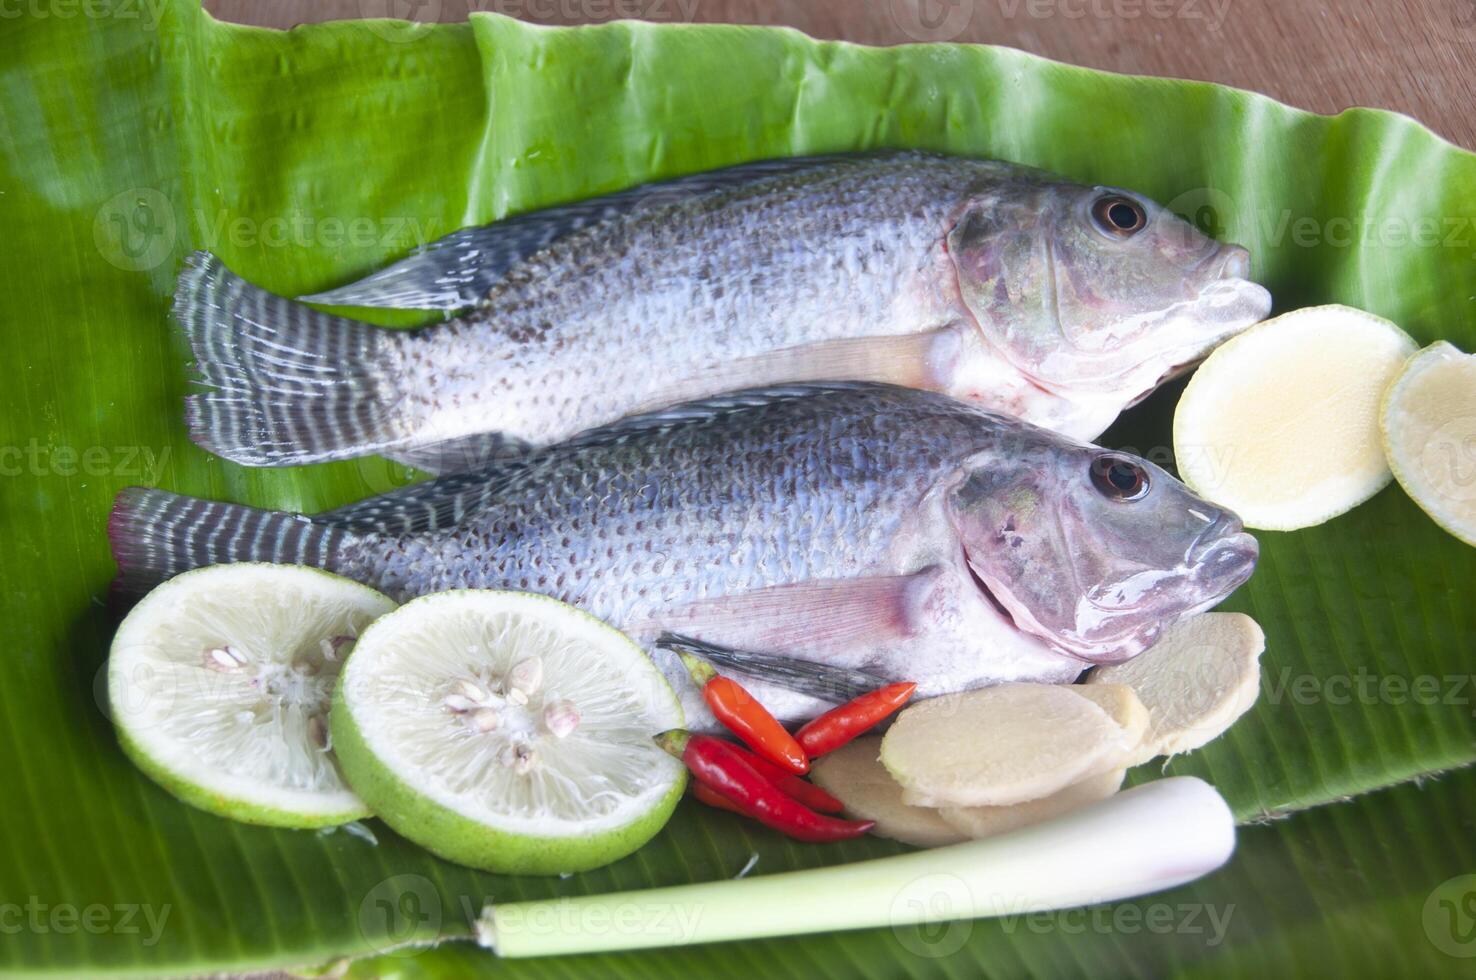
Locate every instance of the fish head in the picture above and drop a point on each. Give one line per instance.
(1097, 289)
(1092, 551)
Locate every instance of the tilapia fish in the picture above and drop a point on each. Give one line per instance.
(849, 527)
(1003, 286)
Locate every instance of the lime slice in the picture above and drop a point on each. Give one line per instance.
(1280, 424)
(220, 682)
(508, 731)
(1428, 423)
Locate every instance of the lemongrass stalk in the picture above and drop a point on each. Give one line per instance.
(1147, 839)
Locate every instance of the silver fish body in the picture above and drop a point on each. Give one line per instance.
(1005, 286)
(861, 526)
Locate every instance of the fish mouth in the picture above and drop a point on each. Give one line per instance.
(1173, 371)
(1227, 304)
(1227, 295)
(1225, 562)
(1229, 261)
(1218, 561)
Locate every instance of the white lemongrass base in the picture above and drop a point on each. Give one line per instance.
(1147, 839)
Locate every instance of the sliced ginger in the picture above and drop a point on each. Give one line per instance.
(986, 821)
(1000, 758)
(1195, 681)
(997, 746)
(855, 775)
(1123, 706)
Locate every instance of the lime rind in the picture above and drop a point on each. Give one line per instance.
(410, 746)
(209, 736)
(450, 835)
(1427, 422)
(305, 812)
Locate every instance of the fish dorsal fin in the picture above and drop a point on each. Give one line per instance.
(464, 454)
(444, 502)
(421, 507)
(458, 270)
(704, 410)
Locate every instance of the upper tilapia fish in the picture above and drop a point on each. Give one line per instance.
(1000, 285)
(854, 526)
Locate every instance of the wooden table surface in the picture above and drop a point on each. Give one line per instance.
(1415, 56)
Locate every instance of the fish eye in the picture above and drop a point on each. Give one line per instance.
(1119, 478)
(1118, 216)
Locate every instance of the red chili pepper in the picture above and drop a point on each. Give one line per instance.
(742, 714)
(839, 725)
(706, 794)
(718, 764)
(807, 793)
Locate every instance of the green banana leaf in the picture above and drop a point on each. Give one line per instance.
(1326, 894)
(132, 132)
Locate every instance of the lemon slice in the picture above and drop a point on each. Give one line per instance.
(508, 731)
(1281, 424)
(220, 681)
(1429, 427)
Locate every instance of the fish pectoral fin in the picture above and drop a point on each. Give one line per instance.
(914, 360)
(819, 618)
(834, 684)
(464, 454)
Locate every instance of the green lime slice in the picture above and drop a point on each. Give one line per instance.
(220, 681)
(508, 731)
(1428, 422)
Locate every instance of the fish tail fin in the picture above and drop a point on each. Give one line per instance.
(155, 535)
(290, 384)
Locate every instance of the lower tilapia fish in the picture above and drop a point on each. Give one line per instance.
(852, 527)
(1007, 287)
